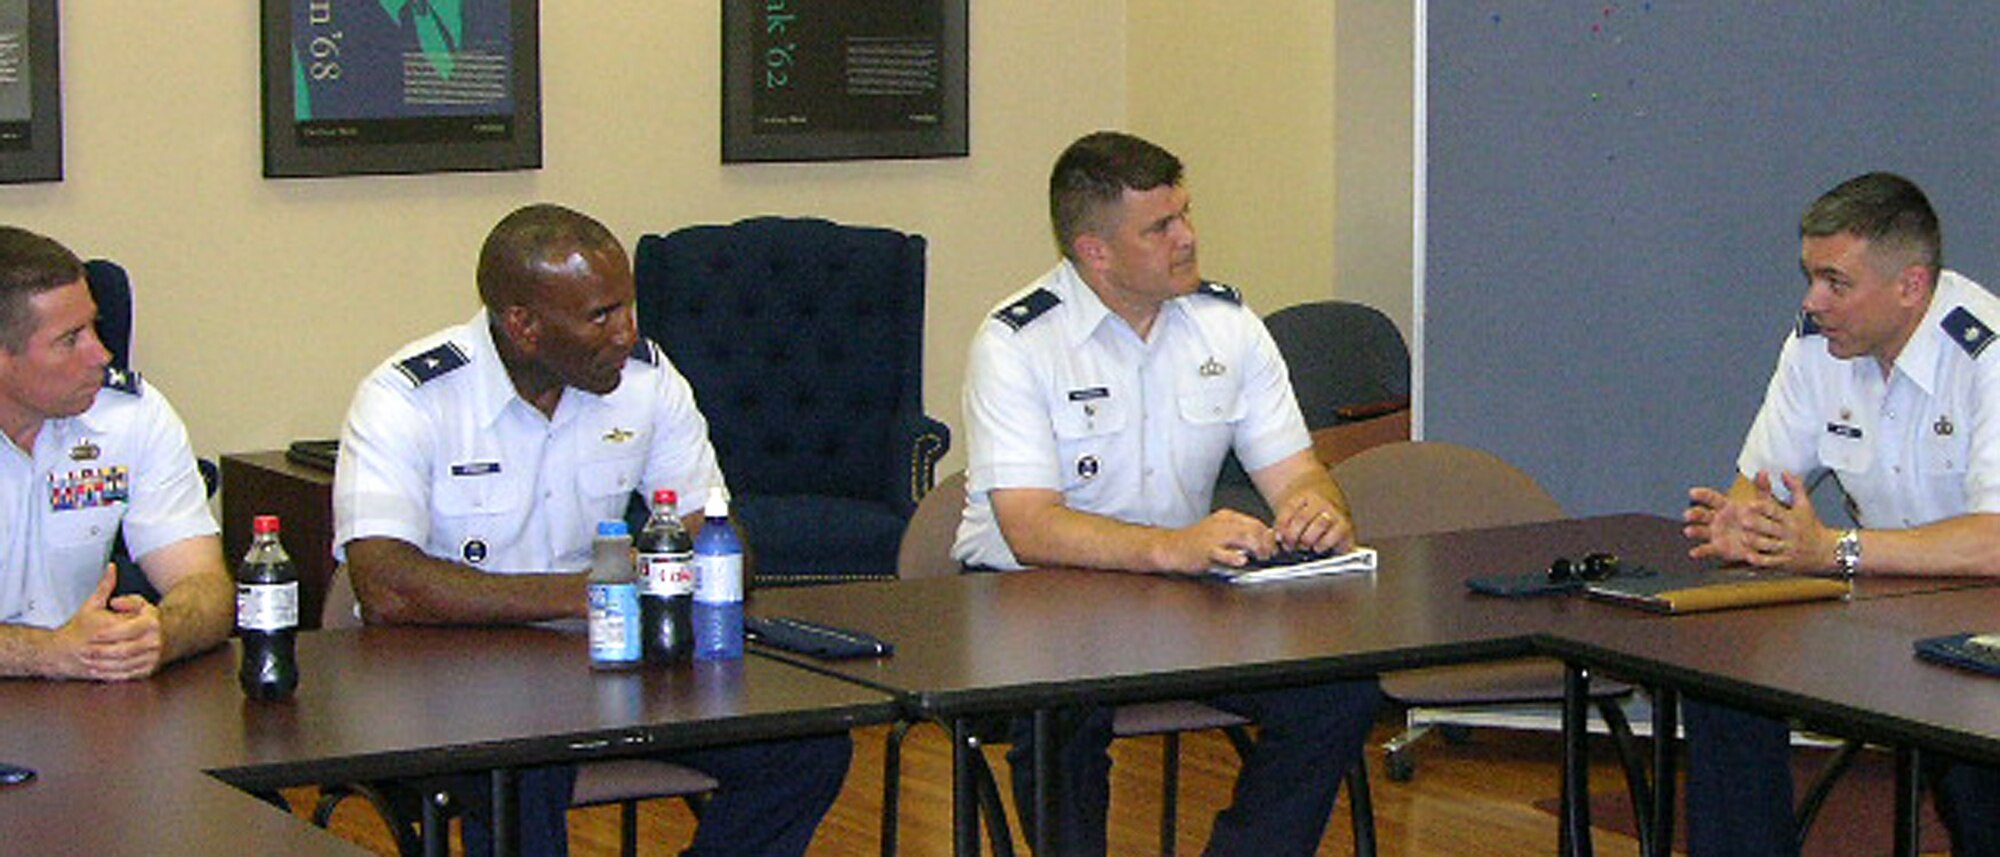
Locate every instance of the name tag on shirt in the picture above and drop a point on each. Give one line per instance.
(1844, 430)
(476, 468)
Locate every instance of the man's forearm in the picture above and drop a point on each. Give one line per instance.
(23, 650)
(398, 584)
(1965, 546)
(197, 614)
(1060, 536)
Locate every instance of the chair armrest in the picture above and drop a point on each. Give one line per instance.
(1370, 410)
(922, 442)
(1336, 442)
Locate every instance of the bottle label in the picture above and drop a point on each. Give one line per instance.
(614, 623)
(666, 575)
(718, 578)
(267, 606)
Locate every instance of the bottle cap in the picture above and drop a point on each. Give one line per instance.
(718, 502)
(612, 528)
(665, 497)
(264, 524)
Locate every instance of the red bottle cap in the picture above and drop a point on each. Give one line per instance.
(665, 497)
(264, 524)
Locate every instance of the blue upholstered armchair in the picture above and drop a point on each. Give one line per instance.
(804, 342)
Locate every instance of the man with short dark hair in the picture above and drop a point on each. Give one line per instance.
(1887, 386)
(1100, 403)
(476, 462)
(92, 451)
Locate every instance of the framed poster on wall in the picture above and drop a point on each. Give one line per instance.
(30, 92)
(841, 79)
(400, 86)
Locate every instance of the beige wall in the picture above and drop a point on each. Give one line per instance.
(1246, 101)
(263, 302)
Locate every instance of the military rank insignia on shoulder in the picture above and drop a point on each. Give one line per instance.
(1031, 306)
(1967, 330)
(645, 351)
(1807, 325)
(1218, 290)
(429, 365)
(122, 380)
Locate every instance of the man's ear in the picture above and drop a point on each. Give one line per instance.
(1914, 284)
(523, 327)
(1091, 251)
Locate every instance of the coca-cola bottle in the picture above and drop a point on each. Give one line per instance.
(666, 583)
(267, 614)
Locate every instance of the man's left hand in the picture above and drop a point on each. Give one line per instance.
(1310, 521)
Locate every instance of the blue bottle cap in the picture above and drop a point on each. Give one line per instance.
(612, 528)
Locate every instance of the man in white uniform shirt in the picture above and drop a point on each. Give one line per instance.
(1890, 386)
(1100, 404)
(474, 467)
(91, 450)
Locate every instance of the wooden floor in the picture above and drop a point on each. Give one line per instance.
(1476, 798)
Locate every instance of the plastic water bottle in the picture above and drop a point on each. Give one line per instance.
(614, 599)
(718, 584)
(267, 614)
(666, 583)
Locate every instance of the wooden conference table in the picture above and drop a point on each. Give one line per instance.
(146, 767)
(1020, 643)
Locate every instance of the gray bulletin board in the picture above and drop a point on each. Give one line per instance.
(1612, 192)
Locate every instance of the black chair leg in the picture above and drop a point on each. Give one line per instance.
(892, 785)
(1362, 808)
(1170, 791)
(1822, 786)
(1638, 785)
(998, 832)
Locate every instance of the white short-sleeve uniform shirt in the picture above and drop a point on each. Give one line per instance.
(124, 462)
(1062, 394)
(1914, 448)
(441, 452)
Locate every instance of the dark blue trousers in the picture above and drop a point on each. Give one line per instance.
(1739, 789)
(770, 801)
(1307, 740)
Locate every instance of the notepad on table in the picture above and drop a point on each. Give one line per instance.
(1287, 565)
(1722, 589)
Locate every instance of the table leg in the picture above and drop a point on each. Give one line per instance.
(506, 831)
(1666, 748)
(1909, 800)
(436, 831)
(964, 794)
(1573, 834)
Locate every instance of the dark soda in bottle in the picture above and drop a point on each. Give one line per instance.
(267, 615)
(666, 583)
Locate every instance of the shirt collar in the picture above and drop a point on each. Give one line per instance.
(1090, 314)
(492, 388)
(1919, 360)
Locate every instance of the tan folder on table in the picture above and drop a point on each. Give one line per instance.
(1699, 591)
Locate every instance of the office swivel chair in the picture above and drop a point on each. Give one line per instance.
(926, 552)
(803, 341)
(1412, 488)
(111, 289)
(1350, 371)
(625, 782)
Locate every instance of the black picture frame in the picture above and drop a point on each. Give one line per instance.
(30, 92)
(843, 79)
(404, 93)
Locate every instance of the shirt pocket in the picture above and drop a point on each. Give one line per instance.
(606, 485)
(1086, 436)
(1845, 452)
(79, 541)
(1209, 411)
(480, 515)
(1945, 450)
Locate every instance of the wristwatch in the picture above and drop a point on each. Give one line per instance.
(1847, 552)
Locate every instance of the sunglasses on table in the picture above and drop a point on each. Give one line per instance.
(1592, 567)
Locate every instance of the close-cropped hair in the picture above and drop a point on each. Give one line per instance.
(29, 265)
(1887, 210)
(1092, 175)
(529, 236)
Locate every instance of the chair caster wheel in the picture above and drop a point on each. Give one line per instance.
(1401, 768)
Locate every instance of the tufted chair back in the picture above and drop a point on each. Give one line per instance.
(803, 340)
